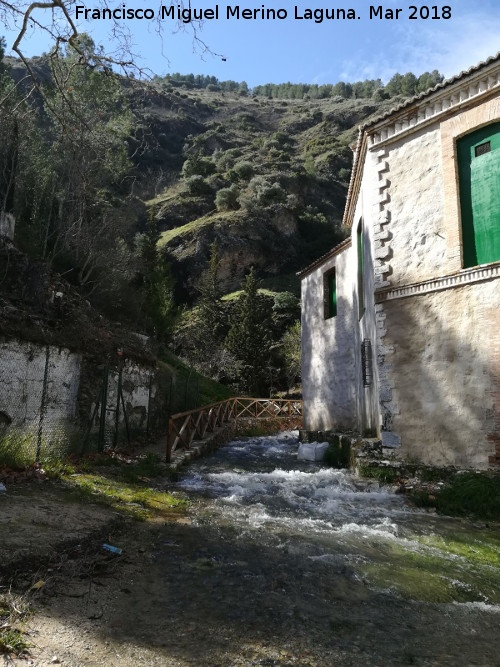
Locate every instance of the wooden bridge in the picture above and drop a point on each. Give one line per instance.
(185, 427)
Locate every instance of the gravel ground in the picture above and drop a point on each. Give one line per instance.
(183, 594)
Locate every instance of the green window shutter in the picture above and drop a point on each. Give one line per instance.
(332, 293)
(478, 157)
(361, 271)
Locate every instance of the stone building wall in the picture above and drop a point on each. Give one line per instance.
(418, 244)
(423, 268)
(435, 325)
(328, 386)
(445, 374)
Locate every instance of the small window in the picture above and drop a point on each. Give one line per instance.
(330, 294)
(366, 362)
(482, 149)
(361, 271)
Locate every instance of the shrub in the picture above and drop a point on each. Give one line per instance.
(227, 159)
(197, 185)
(198, 166)
(344, 174)
(227, 199)
(261, 192)
(244, 170)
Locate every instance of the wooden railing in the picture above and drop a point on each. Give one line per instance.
(185, 427)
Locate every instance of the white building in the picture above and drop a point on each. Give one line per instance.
(401, 322)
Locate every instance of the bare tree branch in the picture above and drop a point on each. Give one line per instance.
(62, 29)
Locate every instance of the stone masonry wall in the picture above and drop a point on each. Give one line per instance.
(418, 244)
(72, 388)
(22, 370)
(328, 372)
(444, 374)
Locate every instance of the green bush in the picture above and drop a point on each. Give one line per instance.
(227, 199)
(244, 170)
(227, 159)
(198, 166)
(261, 192)
(197, 185)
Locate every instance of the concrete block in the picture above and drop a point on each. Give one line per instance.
(314, 451)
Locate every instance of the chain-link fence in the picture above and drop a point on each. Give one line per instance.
(54, 402)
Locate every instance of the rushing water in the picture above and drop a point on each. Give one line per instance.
(328, 536)
(259, 480)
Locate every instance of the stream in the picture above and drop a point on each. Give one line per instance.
(315, 566)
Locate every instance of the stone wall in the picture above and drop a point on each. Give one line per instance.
(22, 373)
(50, 393)
(437, 373)
(444, 374)
(434, 325)
(328, 354)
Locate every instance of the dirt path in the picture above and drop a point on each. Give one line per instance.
(181, 594)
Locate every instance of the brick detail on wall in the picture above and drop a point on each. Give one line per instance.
(465, 277)
(382, 235)
(382, 269)
(388, 404)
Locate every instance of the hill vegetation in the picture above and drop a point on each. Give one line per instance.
(140, 193)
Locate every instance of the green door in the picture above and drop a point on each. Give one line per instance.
(479, 178)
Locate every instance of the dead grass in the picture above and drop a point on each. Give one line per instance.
(14, 611)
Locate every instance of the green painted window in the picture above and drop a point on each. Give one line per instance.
(478, 156)
(361, 271)
(330, 289)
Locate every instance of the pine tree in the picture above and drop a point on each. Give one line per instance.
(249, 338)
(211, 325)
(158, 283)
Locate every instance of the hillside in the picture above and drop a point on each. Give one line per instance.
(132, 190)
(286, 164)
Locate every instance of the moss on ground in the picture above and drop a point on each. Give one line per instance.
(384, 474)
(135, 499)
(436, 569)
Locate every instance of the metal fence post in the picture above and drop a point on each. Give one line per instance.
(43, 405)
(102, 424)
(117, 413)
(149, 404)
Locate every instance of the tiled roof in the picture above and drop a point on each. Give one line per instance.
(361, 143)
(324, 257)
(430, 91)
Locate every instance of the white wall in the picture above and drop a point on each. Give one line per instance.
(22, 367)
(72, 391)
(328, 364)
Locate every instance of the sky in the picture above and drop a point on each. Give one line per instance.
(300, 50)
